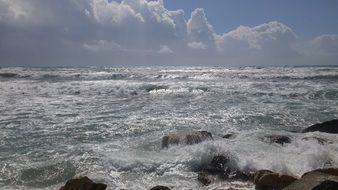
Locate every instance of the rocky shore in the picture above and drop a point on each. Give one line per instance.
(223, 167)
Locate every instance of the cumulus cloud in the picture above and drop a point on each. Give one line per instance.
(197, 45)
(140, 32)
(326, 44)
(165, 50)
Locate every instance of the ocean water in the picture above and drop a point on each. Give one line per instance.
(107, 123)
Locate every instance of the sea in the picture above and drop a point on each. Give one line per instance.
(108, 123)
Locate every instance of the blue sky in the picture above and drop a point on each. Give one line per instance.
(308, 18)
(168, 32)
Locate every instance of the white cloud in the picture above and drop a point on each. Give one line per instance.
(102, 45)
(327, 44)
(197, 45)
(80, 31)
(165, 50)
(272, 33)
(199, 30)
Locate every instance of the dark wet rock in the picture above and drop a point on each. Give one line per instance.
(315, 180)
(229, 136)
(134, 93)
(225, 167)
(327, 185)
(83, 183)
(279, 139)
(8, 75)
(160, 187)
(189, 138)
(319, 140)
(266, 179)
(204, 178)
(326, 127)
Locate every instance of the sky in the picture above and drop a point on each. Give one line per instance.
(168, 32)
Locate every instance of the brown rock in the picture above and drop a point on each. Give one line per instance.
(266, 178)
(83, 183)
(189, 138)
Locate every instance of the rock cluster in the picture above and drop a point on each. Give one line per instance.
(224, 166)
(322, 179)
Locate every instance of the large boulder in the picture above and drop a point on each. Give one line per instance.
(315, 180)
(83, 183)
(269, 179)
(188, 138)
(326, 127)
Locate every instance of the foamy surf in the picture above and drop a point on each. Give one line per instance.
(107, 123)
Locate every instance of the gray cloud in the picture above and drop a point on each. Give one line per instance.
(139, 32)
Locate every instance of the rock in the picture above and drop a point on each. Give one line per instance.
(160, 187)
(326, 127)
(204, 178)
(279, 139)
(330, 171)
(314, 181)
(226, 168)
(269, 179)
(327, 185)
(190, 138)
(8, 75)
(83, 183)
(229, 136)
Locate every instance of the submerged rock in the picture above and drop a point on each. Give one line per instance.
(279, 139)
(189, 138)
(160, 187)
(326, 127)
(268, 179)
(229, 136)
(83, 183)
(8, 75)
(204, 178)
(315, 180)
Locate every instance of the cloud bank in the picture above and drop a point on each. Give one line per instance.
(139, 32)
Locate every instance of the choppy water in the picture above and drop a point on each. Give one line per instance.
(107, 123)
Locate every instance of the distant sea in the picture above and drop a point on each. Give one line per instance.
(107, 123)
